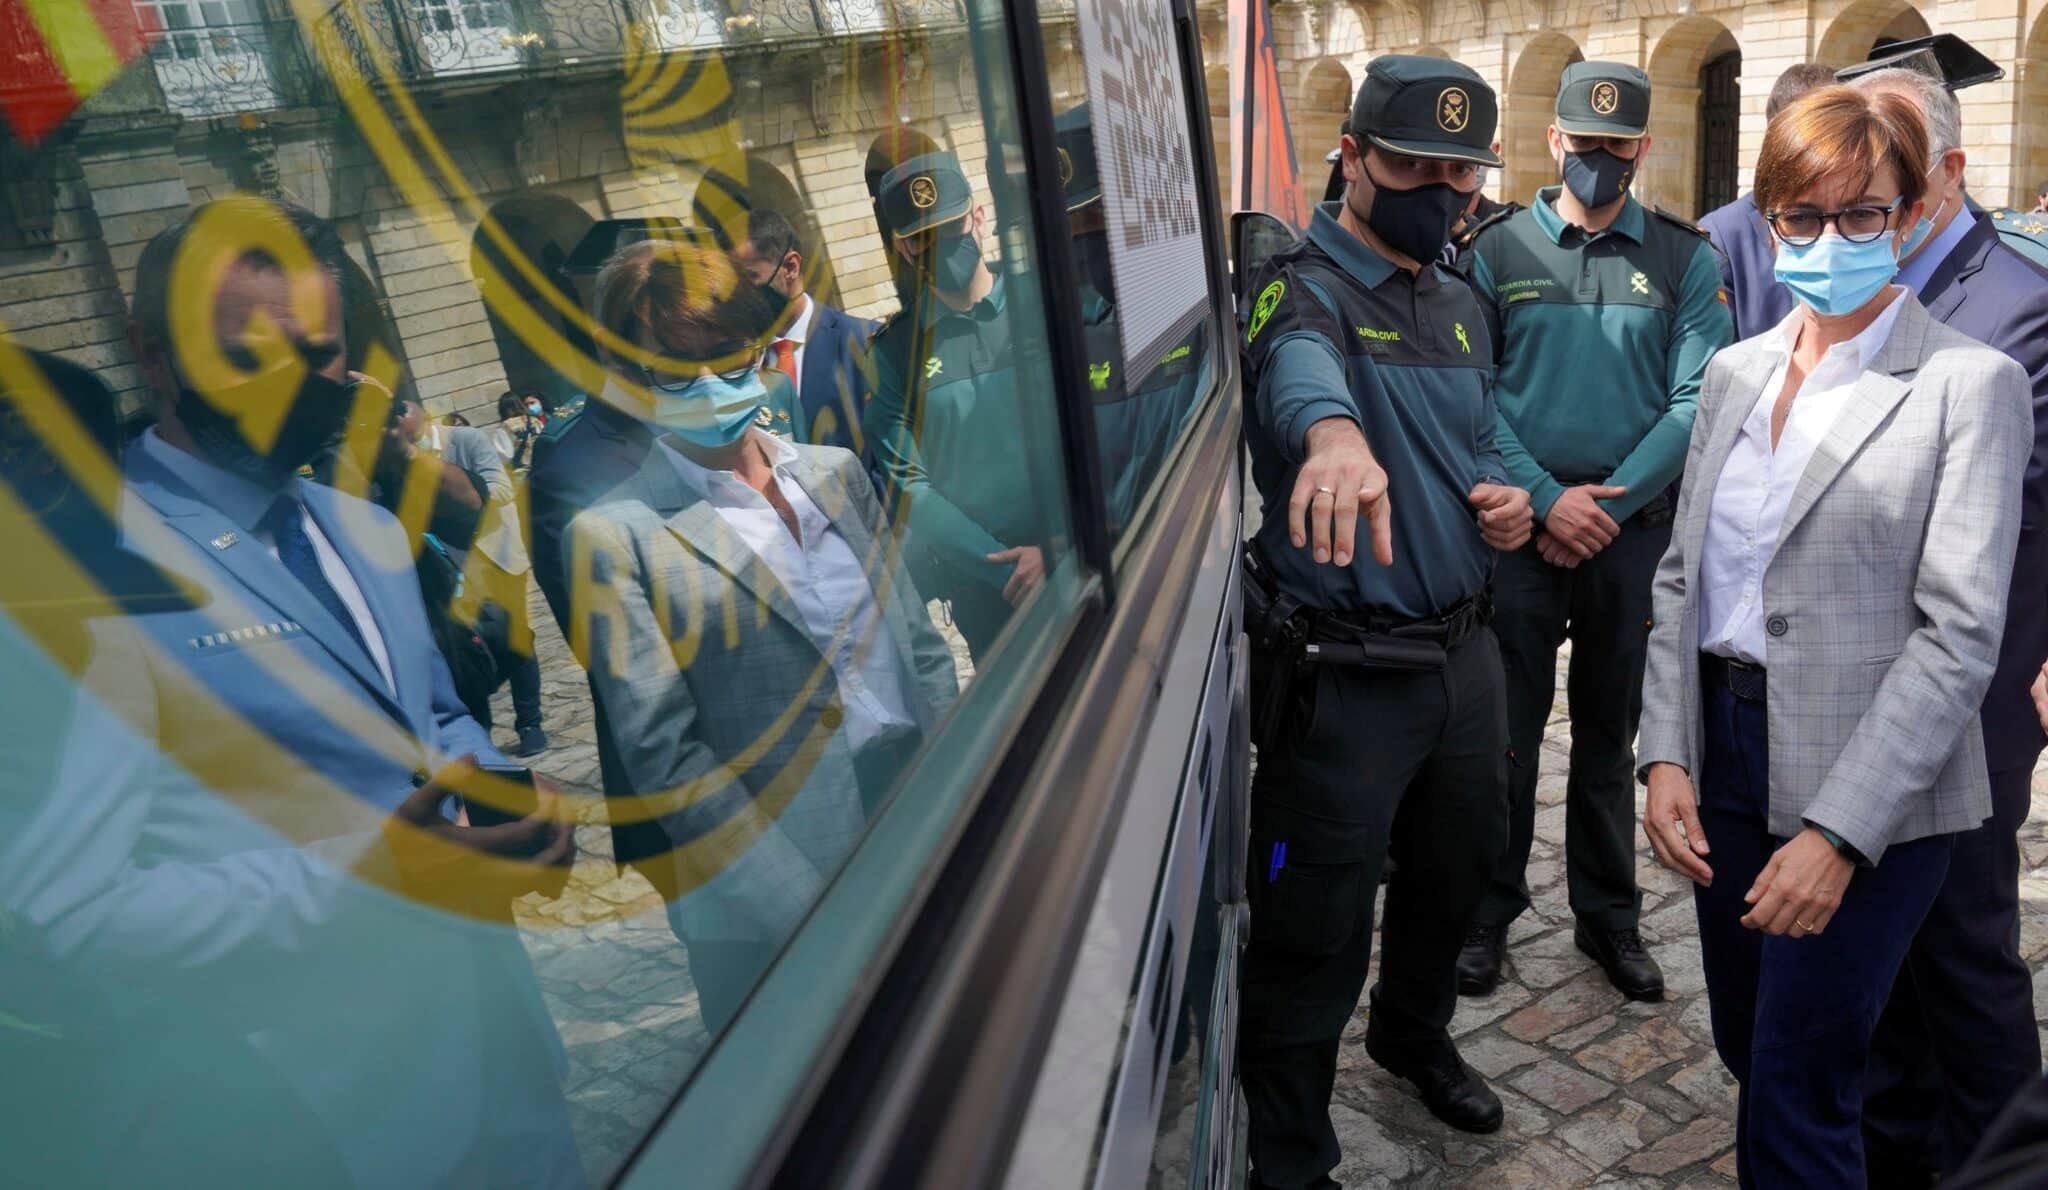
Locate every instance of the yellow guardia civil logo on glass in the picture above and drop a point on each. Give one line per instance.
(1606, 98)
(1453, 109)
(1066, 168)
(1269, 301)
(1458, 328)
(1639, 283)
(924, 193)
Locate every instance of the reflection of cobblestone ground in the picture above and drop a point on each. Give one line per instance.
(614, 977)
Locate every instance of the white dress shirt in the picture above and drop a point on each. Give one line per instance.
(825, 580)
(1757, 482)
(246, 502)
(799, 333)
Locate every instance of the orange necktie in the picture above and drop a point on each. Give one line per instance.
(785, 358)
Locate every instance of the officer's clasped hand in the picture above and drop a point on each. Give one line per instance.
(1578, 522)
(1339, 484)
(1504, 515)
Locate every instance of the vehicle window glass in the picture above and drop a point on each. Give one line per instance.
(501, 499)
(1137, 238)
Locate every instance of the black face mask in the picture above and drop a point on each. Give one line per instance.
(1416, 222)
(1091, 252)
(777, 303)
(949, 263)
(317, 420)
(1597, 177)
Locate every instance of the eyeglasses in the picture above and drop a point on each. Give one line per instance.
(734, 375)
(1859, 224)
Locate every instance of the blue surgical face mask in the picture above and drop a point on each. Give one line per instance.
(1834, 276)
(711, 411)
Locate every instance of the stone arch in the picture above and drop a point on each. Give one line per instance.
(543, 228)
(1317, 122)
(1527, 110)
(1431, 51)
(1860, 24)
(1670, 177)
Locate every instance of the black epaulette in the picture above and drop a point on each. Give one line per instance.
(1506, 212)
(1687, 224)
(882, 324)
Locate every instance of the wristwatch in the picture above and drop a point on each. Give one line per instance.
(1841, 845)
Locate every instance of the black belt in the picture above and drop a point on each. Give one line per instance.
(1745, 681)
(1447, 628)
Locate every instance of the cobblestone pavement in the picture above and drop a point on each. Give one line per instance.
(1599, 1091)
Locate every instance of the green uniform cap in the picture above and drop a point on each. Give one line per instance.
(925, 192)
(1426, 107)
(1079, 176)
(1603, 99)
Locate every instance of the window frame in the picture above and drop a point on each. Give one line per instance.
(915, 1042)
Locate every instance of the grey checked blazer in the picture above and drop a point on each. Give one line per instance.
(723, 713)
(1885, 598)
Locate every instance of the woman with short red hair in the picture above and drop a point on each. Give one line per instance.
(1827, 620)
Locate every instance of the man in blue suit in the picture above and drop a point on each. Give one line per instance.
(823, 351)
(257, 840)
(1958, 1037)
(1755, 298)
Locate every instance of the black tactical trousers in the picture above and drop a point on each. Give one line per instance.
(1365, 763)
(1603, 607)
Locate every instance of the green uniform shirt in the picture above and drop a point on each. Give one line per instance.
(2026, 234)
(1135, 431)
(1602, 340)
(948, 439)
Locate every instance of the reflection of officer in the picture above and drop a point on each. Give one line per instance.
(1377, 682)
(1640, 307)
(944, 423)
(1134, 429)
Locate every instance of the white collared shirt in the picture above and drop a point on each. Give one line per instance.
(799, 333)
(244, 502)
(824, 579)
(1757, 482)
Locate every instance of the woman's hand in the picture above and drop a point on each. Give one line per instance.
(1671, 818)
(1798, 892)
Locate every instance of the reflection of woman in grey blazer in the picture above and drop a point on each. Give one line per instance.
(767, 670)
(1827, 620)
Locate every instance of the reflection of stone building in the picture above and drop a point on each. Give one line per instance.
(464, 146)
(410, 121)
(1712, 63)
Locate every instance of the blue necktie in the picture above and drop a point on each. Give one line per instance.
(286, 521)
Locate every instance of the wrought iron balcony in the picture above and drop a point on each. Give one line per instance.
(221, 69)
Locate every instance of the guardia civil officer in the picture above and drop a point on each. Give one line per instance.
(1381, 718)
(944, 423)
(1587, 285)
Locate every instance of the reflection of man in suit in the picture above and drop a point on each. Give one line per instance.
(1755, 298)
(1958, 1037)
(259, 845)
(821, 350)
(765, 666)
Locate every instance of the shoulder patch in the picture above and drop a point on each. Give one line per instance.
(1262, 309)
(1506, 212)
(559, 424)
(1686, 224)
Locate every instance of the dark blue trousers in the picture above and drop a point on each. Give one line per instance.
(1793, 1016)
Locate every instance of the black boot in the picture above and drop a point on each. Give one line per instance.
(1620, 953)
(1452, 1091)
(1480, 961)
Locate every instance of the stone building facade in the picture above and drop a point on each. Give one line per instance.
(1711, 64)
(463, 149)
